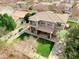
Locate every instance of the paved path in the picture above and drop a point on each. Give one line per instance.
(18, 33)
(14, 34)
(56, 50)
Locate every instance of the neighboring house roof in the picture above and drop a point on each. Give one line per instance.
(49, 16)
(21, 2)
(17, 14)
(40, 6)
(75, 11)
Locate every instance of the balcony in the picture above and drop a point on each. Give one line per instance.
(43, 35)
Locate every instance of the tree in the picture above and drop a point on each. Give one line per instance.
(26, 17)
(8, 22)
(72, 41)
(72, 48)
(62, 35)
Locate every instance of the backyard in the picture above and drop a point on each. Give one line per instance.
(24, 42)
(44, 47)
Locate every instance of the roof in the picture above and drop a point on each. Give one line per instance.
(49, 16)
(40, 7)
(6, 9)
(17, 14)
(21, 2)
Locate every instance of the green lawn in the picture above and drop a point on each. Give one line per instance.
(44, 47)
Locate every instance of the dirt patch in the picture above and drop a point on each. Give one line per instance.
(11, 53)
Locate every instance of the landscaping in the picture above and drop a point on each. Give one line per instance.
(7, 24)
(44, 47)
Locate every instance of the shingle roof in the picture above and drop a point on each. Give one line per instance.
(49, 16)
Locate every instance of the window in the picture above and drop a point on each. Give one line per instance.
(49, 24)
(33, 30)
(58, 24)
(41, 23)
(33, 23)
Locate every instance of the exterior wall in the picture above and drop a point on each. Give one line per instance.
(41, 24)
(34, 29)
(38, 33)
(44, 24)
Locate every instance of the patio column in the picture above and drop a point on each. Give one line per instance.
(46, 24)
(50, 36)
(53, 27)
(36, 26)
(30, 27)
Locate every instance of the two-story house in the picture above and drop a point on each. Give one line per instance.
(45, 24)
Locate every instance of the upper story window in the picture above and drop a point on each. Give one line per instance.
(41, 23)
(33, 23)
(49, 24)
(58, 24)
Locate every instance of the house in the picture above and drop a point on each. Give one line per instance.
(45, 24)
(58, 6)
(64, 6)
(18, 14)
(42, 6)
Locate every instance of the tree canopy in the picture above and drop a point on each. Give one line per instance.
(72, 41)
(26, 17)
(7, 21)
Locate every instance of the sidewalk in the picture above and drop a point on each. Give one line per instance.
(54, 52)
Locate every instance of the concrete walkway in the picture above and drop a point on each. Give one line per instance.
(56, 50)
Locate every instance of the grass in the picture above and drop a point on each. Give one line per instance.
(44, 47)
